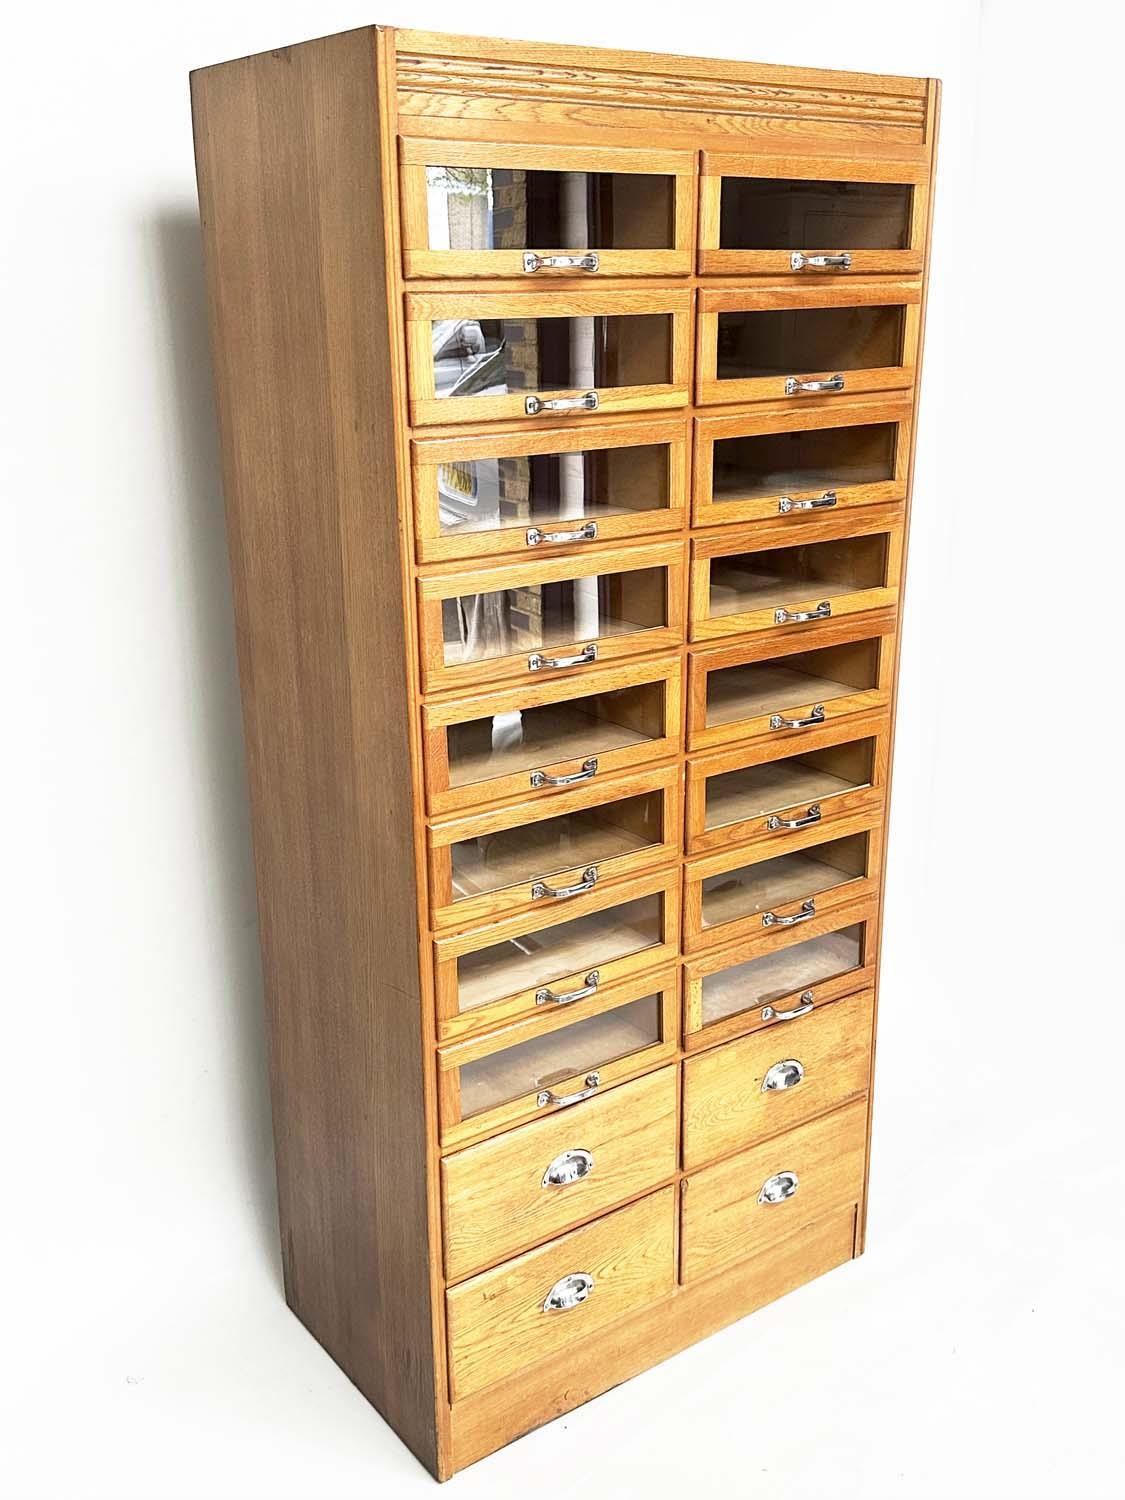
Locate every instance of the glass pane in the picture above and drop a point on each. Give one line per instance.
(551, 953)
(545, 1060)
(542, 616)
(505, 744)
(501, 356)
(810, 777)
(800, 680)
(551, 489)
(788, 340)
(755, 468)
(777, 882)
(786, 972)
(763, 580)
(777, 213)
(492, 861)
(511, 208)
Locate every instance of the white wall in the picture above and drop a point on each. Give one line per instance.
(977, 1346)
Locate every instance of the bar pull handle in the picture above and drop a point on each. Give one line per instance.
(563, 892)
(587, 533)
(533, 262)
(812, 816)
(569, 1292)
(823, 611)
(795, 386)
(537, 662)
(815, 716)
(785, 505)
(769, 1014)
(568, 997)
(799, 261)
(589, 768)
(589, 402)
(561, 1100)
(806, 914)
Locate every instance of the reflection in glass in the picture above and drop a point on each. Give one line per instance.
(767, 213)
(787, 971)
(502, 356)
(785, 341)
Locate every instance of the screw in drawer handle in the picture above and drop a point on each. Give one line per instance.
(589, 768)
(537, 662)
(548, 1096)
(533, 262)
(540, 888)
(783, 1075)
(812, 816)
(806, 914)
(587, 533)
(823, 611)
(815, 716)
(826, 502)
(568, 1167)
(799, 261)
(777, 1188)
(769, 1014)
(795, 386)
(589, 402)
(569, 1292)
(568, 997)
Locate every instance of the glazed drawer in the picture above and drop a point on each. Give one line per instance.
(534, 1182)
(560, 1297)
(770, 1081)
(800, 462)
(490, 208)
(551, 1062)
(547, 492)
(537, 856)
(483, 356)
(550, 734)
(778, 342)
(530, 621)
(542, 961)
(748, 1202)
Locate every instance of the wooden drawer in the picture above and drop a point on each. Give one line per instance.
(490, 208)
(749, 1202)
(544, 736)
(534, 1182)
(770, 1081)
(552, 1062)
(483, 356)
(800, 462)
(539, 962)
(544, 493)
(534, 621)
(766, 215)
(776, 689)
(498, 1321)
(764, 579)
(537, 856)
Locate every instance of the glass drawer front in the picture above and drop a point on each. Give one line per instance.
(774, 976)
(789, 213)
(743, 583)
(755, 792)
(826, 459)
(784, 342)
(802, 875)
(792, 684)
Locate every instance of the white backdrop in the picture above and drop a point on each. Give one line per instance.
(977, 1348)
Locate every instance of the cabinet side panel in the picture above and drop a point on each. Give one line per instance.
(287, 147)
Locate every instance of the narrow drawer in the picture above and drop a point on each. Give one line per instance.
(540, 1179)
(770, 1081)
(749, 1202)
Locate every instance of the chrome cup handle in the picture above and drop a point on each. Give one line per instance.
(812, 816)
(769, 1014)
(568, 997)
(783, 1075)
(535, 404)
(569, 1292)
(785, 504)
(799, 261)
(806, 914)
(533, 262)
(548, 1096)
(823, 611)
(567, 1167)
(780, 1186)
(540, 888)
(537, 662)
(795, 386)
(589, 768)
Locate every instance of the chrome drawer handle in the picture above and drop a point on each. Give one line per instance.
(769, 1014)
(587, 533)
(785, 504)
(547, 1096)
(589, 768)
(798, 261)
(823, 611)
(783, 1075)
(777, 1188)
(533, 262)
(568, 997)
(568, 1167)
(812, 816)
(779, 721)
(589, 402)
(537, 662)
(794, 386)
(806, 914)
(569, 1292)
(561, 892)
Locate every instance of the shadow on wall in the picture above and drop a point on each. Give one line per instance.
(208, 608)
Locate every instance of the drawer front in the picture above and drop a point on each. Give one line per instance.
(533, 622)
(498, 1322)
(547, 356)
(541, 1179)
(770, 1081)
(541, 738)
(800, 463)
(545, 1066)
(481, 208)
(810, 218)
(531, 965)
(744, 1204)
(543, 493)
(791, 343)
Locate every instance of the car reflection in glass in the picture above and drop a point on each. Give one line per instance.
(466, 363)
